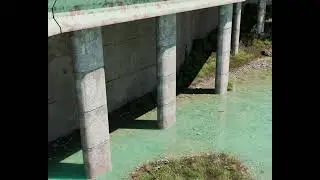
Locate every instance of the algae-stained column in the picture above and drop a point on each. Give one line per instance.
(223, 48)
(91, 92)
(262, 5)
(236, 28)
(166, 70)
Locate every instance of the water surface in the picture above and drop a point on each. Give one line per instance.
(239, 123)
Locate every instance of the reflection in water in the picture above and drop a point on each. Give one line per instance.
(221, 116)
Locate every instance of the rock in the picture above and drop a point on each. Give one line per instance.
(267, 53)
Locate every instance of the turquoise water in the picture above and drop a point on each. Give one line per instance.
(239, 123)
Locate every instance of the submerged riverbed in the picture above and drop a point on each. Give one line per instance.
(239, 123)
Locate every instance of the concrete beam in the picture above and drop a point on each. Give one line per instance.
(262, 5)
(223, 48)
(91, 93)
(84, 19)
(166, 70)
(236, 28)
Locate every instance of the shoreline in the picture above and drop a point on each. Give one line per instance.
(207, 82)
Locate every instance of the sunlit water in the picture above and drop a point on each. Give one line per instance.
(239, 123)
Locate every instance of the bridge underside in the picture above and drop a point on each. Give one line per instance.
(90, 68)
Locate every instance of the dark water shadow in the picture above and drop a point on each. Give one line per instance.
(135, 124)
(122, 118)
(197, 91)
(125, 117)
(67, 171)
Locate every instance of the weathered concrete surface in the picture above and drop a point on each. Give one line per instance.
(78, 20)
(166, 69)
(62, 99)
(92, 99)
(236, 20)
(71, 5)
(129, 56)
(193, 25)
(223, 48)
(130, 67)
(262, 4)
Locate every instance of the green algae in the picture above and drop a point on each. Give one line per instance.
(239, 123)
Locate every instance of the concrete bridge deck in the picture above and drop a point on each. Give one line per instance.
(84, 19)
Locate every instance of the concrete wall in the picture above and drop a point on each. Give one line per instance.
(130, 63)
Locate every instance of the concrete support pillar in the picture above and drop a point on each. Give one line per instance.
(236, 28)
(262, 5)
(223, 48)
(166, 70)
(91, 92)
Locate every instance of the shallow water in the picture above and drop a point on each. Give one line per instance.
(239, 123)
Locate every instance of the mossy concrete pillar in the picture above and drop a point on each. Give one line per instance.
(166, 70)
(91, 92)
(223, 48)
(262, 5)
(236, 28)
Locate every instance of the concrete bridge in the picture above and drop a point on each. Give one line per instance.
(89, 67)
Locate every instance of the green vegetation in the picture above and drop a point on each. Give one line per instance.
(217, 166)
(230, 85)
(201, 62)
(244, 56)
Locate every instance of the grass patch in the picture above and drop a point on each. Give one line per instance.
(244, 56)
(213, 166)
(261, 43)
(230, 85)
(208, 67)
